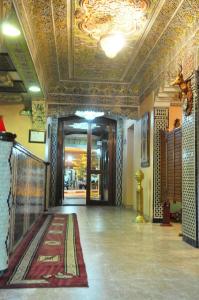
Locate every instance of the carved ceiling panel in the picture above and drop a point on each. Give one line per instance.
(61, 44)
(175, 43)
(71, 66)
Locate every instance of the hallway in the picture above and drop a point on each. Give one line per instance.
(125, 260)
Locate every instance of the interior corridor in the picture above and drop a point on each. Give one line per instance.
(125, 260)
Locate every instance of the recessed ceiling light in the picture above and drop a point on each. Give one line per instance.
(10, 30)
(34, 89)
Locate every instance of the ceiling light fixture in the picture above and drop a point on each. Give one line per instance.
(34, 89)
(89, 115)
(10, 30)
(112, 44)
(111, 22)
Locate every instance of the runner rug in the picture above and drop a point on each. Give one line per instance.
(49, 256)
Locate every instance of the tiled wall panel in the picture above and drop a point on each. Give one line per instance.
(5, 201)
(161, 119)
(53, 160)
(119, 162)
(189, 170)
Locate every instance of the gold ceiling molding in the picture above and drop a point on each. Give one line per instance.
(57, 110)
(103, 101)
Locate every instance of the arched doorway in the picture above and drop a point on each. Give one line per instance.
(96, 154)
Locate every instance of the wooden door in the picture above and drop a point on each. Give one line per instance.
(103, 131)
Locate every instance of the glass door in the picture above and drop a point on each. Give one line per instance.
(100, 162)
(86, 161)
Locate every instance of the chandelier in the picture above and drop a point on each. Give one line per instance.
(110, 23)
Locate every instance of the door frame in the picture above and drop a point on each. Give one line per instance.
(60, 168)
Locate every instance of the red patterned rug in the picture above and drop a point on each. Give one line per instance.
(49, 256)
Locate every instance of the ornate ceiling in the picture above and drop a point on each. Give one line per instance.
(74, 71)
(17, 72)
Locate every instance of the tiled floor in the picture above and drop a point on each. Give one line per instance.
(125, 260)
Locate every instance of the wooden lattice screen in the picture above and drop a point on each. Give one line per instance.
(171, 165)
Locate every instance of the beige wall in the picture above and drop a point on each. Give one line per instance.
(20, 125)
(175, 112)
(129, 170)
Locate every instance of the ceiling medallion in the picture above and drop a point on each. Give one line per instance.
(111, 22)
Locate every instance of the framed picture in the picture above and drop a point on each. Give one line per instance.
(37, 136)
(145, 140)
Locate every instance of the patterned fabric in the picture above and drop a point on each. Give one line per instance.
(50, 256)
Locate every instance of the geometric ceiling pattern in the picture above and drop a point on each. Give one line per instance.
(74, 71)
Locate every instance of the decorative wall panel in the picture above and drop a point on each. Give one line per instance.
(28, 193)
(161, 121)
(62, 109)
(5, 201)
(119, 162)
(189, 170)
(53, 160)
(39, 115)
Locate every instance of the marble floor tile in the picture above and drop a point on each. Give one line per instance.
(126, 261)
